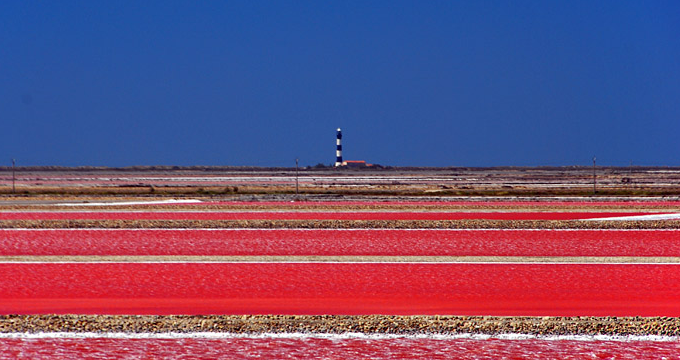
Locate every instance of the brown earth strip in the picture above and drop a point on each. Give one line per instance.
(368, 324)
(342, 224)
(394, 205)
(348, 258)
(340, 206)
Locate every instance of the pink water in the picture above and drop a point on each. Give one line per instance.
(440, 242)
(331, 348)
(455, 203)
(341, 288)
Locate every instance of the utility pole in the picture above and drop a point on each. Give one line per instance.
(594, 178)
(296, 178)
(630, 174)
(13, 177)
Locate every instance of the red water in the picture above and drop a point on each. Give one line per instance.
(484, 203)
(305, 215)
(341, 288)
(327, 242)
(430, 204)
(332, 348)
(237, 288)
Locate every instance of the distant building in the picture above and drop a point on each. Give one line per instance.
(348, 163)
(356, 163)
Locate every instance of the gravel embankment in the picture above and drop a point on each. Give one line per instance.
(343, 224)
(369, 324)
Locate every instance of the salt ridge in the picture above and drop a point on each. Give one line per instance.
(169, 201)
(331, 336)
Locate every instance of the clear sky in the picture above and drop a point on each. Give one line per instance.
(431, 83)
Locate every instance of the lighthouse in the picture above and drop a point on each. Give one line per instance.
(338, 149)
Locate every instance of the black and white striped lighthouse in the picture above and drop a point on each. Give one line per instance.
(338, 149)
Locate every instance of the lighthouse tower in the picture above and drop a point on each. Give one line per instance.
(338, 149)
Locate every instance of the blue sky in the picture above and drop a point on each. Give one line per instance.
(431, 83)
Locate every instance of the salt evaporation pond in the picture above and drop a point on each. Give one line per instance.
(320, 346)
